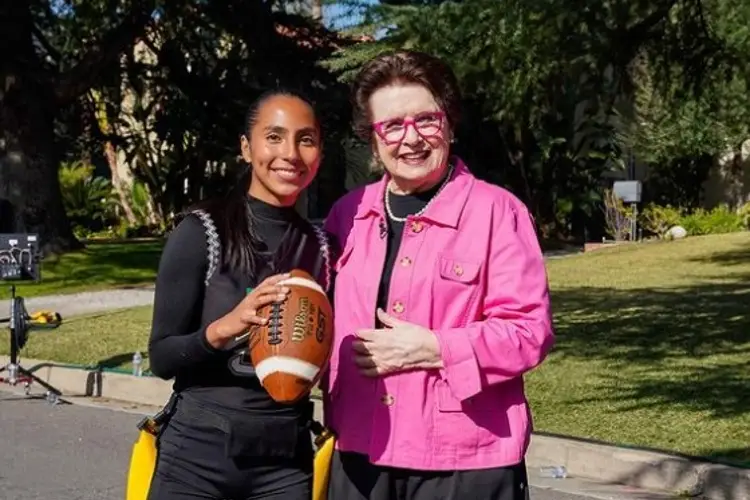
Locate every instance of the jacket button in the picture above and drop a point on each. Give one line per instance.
(388, 400)
(458, 270)
(398, 307)
(417, 226)
(406, 261)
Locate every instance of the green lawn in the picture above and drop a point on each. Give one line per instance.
(106, 339)
(98, 266)
(653, 346)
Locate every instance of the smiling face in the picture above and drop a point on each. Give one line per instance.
(284, 149)
(411, 137)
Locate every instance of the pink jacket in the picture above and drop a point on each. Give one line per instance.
(470, 269)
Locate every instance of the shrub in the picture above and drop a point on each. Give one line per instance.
(720, 219)
(656, 219)
(744, 214)
(617, 216)
(88, 199)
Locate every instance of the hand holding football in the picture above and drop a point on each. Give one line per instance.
(291, 351)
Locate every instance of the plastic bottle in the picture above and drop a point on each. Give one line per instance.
(554, 471)
(137, 361)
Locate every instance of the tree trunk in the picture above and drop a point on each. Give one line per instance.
(28, 172)
(117, 182)
(28, 162)
(110, 153)
(30, 95)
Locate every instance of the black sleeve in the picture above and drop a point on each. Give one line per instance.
(177, 341)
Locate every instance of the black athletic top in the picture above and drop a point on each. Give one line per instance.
(401, 206)
(191, 294)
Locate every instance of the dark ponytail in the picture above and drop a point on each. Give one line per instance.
(240, 245)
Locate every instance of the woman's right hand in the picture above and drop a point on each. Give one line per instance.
(245, 314)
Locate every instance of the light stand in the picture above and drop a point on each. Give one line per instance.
(19, 325)
(14, 267)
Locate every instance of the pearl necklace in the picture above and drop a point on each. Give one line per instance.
(389, 211)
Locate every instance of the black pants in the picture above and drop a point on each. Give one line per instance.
(194, 462)
(353, 477)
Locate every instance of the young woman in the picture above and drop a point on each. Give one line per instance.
(441, 305)
(226, 438)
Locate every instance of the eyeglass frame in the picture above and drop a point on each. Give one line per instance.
(407, 122)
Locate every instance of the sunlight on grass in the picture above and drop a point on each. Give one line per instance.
(104, 339)
(653, 347)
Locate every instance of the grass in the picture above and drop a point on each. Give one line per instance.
(98, 266)
(653, 346)
(108, 340)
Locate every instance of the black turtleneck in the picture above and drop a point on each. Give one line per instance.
(184, 306)
(272, 222)
(401, 206)
(218, 390)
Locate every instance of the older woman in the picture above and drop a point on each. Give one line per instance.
(442, 305)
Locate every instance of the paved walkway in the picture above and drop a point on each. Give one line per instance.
(86, 302)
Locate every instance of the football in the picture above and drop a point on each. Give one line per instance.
(291, 352)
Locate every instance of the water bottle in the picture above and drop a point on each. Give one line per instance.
(137, 360)
(554, 471)
(12, 373)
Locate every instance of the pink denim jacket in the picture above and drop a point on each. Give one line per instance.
(470, 269)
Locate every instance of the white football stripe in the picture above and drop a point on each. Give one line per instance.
(284, 364)
(296, 281)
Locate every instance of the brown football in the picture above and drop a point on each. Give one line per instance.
(291, 352)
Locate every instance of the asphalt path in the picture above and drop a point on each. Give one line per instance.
(80, 452)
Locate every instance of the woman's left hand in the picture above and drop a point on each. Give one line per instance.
(398, 347)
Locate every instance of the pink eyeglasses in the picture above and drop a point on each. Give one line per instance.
(426, 124)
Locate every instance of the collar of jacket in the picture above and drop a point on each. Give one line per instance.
(444, 210)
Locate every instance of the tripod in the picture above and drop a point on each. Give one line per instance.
(19, 325)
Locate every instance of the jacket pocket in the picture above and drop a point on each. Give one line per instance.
(463, 427)
(456, 290)
(459, 270)
(446, 401)
(454, 432)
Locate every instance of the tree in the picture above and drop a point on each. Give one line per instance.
(37, 81)
(679, 134)
(548, 84)
(166, 84)
(179, 107)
